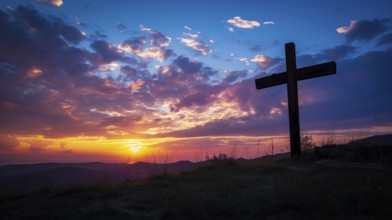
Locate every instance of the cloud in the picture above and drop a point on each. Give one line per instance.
(54, 87)
(244, 60)
(233, 76)
(385, 40)
(196, 45)
(49, 85)
(159, 40)
(142, 28)
(364, 81)
(134, 45)
(38, 146)
(268, 22)
(264, 62)
(35, 45)
(51, 2)
(107, 51)
(345, 29)
(192, 40)
(337, 53)
(198, 98)
(121, 27)
(348, 88)
(63, 148)
(8, 142)
(120, 121)
(364, 30)
(238, 22)
(156, 50)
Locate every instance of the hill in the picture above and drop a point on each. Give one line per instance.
(223, 189)
(377, 140)
(28, 177)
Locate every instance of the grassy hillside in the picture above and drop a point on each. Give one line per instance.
(223, 189)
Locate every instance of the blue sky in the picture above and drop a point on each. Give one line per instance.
(178, 75)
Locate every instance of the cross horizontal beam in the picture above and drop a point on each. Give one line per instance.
(323, 69)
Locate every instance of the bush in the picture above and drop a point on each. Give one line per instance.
(306, 142)
(220, 159)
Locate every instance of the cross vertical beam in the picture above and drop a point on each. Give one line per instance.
(292, 95)
(291, 76)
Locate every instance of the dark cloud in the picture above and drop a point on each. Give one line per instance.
(52, 27)
(130, 72)
(237, 126)
(385, 40)
(233, 76)
(366, 29)
(186, 66)
(359, 91)
(181, 78)
(198, 99)
(107, 52)
(337, 53)
(135, 44)
(48, 85)
(32, 41)
(155, 49)
(69, 33)
(159, 40)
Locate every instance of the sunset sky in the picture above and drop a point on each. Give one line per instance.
(126, 81)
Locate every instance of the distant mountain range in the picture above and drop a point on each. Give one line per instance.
(28, 177)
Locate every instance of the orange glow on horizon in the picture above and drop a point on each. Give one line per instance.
(41, 149)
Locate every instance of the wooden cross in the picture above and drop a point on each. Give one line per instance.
(291, 76)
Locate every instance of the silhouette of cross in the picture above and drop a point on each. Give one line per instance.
(291, 76)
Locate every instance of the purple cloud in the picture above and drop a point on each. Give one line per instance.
(198, 99)
(49, 85)
(54, 87)
(156, 49)
(233, 76)
(107, 52)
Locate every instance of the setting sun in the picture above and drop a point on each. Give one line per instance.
(135, 146)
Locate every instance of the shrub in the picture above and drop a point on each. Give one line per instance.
(306, 142)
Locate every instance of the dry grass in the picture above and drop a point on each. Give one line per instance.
(258, 189)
